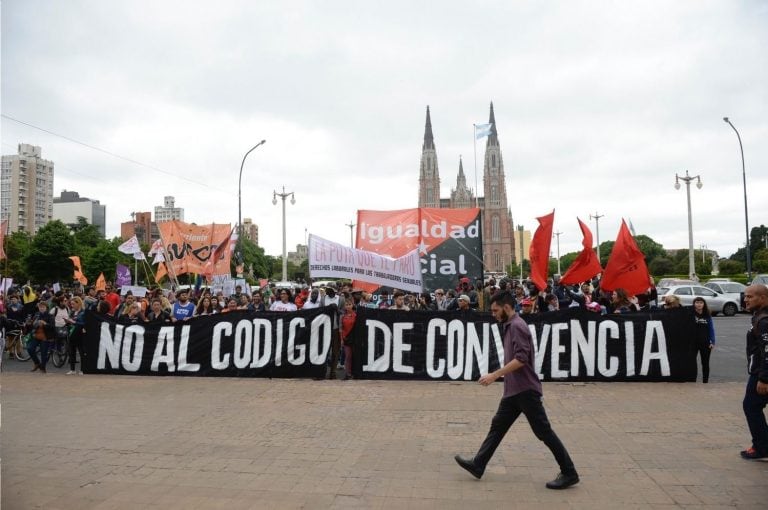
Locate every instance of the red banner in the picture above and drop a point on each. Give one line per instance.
(449, 241)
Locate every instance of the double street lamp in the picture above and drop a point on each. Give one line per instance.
(283, 196)
(687, 180)
(746, 215)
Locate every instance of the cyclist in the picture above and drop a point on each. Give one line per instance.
(43, 335)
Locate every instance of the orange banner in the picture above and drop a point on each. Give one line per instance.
(188, 247)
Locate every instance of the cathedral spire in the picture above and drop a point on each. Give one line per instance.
(429, 139)
(493, 138)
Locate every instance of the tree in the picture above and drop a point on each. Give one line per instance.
(606, 248)
(253, 259)
(86, 236)
(758, 239)
(48, 259)
(567, 259)
(661, 265)
(731, 267)
(650, 248)
(100, 259)
(17, 247)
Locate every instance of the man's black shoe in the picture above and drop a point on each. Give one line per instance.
(563, 481)
(469, 465)
(752, 454)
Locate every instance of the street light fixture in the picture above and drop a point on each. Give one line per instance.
(351, 226)
(283, 196)
(557, 234)
(240, 202)
(746, 215)
(597, 217)
(687, 180)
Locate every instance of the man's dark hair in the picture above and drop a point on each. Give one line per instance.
(103, 307)
(504, 298)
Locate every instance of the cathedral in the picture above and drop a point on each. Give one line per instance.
(498, 233)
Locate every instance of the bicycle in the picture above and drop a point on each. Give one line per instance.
(58, 349)
(16, 341)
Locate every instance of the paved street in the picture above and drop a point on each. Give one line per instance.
(119, 442)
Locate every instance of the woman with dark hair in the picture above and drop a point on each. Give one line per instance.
(705, 335)
(205, 307)
(620, 301)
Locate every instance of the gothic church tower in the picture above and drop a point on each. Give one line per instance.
(462, 197)
(429, 176)
(498, 235)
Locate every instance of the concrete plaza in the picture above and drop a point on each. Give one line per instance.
(119, 442)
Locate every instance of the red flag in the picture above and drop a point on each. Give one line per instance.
(539, 251)
(218, 253)
(586, 264)
(626, 267)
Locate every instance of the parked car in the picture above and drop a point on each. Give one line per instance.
(717, 303)
(734, 290)
(761, 278)
(668, 282)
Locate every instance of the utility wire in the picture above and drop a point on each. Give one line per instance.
(114, 155)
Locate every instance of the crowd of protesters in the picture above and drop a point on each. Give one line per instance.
(51, 313)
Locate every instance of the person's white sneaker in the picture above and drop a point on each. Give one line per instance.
(71, 372)
(80, 372)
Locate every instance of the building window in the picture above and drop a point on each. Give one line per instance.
(495, 228)
(497, 260)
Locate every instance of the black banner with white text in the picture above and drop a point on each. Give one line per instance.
(234, 344)
(571, 345)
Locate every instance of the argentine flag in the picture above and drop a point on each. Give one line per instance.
(482, 130)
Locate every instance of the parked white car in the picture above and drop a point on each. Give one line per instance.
(732, 290)
(717, 303)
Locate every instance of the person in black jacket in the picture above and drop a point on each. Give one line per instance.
(756, 394)
(42, 336)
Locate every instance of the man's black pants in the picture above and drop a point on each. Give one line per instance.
(528, 403)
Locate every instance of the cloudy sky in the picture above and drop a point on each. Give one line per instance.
(598, 105)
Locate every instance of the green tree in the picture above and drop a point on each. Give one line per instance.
(661, 265)
(86, 236)
(650, 248)
(731, 267)
(567, 259)
(757, 239)
(100, 259)
(606, 248)
(254, 259)
(48, 256)
(17, 247)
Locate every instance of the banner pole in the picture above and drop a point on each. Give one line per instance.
(474, 145)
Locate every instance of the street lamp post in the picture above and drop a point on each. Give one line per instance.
(746, 214)
(597, 217)
(557, 234)
(687, 180)
(240, 201)
(283, 196)
(351, 226)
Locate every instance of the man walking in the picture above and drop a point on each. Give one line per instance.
(522, 394)
(756, 394)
